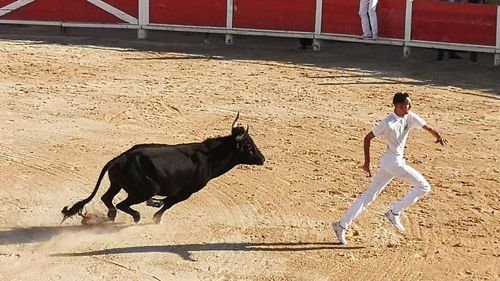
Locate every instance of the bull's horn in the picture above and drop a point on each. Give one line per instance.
(234, 122)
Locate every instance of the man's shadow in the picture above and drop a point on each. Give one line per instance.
(185, 250)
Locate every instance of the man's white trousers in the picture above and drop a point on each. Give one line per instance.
(390, 167)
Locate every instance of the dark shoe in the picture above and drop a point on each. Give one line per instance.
(440, 55)
(305, 42)
(473, 57)
(453, 55)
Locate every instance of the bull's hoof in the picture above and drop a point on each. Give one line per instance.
(157, 219)
(137, 217)
(112, 214)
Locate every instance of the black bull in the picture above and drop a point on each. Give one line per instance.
(174, 171)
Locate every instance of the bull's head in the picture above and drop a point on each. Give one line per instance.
(248, 153)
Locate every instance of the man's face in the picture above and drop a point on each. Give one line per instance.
(405, 107)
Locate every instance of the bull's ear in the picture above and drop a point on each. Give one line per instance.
(240, 137)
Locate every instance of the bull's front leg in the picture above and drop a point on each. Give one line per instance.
(168, 203)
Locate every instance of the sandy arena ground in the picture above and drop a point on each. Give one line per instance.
(71, 103)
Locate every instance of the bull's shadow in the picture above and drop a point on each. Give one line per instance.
(35, 234)
(185, 250)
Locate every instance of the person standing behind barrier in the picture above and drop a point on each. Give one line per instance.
(394, 130)
(368, 15)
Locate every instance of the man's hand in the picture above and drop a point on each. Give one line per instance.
(441, 141)
(438, 137)
(366, 168)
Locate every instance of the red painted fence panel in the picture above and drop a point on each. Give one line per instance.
(80, 11)
(130, 7)
(283, 15)
(85, 12)
(189, 12)
(342, 17)
(40, 10)
(391, 18)
(454, 22)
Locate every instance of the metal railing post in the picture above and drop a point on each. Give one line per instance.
(496, 59)
(229, 22)
(408, 20)
(317, 24)
(143, 18)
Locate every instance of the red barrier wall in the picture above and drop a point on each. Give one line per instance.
(189, 12)
(454, 22)
(48, 10)
(70, 11)
(342, 17)
(284, 15)
(433, 20)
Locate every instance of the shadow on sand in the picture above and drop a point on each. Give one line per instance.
(185, 250)
(35, 234)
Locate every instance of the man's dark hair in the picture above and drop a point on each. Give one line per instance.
(400, 97)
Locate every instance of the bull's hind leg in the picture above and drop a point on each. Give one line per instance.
(107, 198)
(168, 203)
(132, 199)
(138, 192)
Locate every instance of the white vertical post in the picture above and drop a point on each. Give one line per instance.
(317, 24)
(229, 17)
(408, 20)
(496, 60)
(229, 22)
(143, 18)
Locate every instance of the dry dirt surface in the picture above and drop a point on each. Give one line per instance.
(69, 103)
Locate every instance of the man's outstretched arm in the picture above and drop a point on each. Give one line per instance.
(366, 148)
(438, 137)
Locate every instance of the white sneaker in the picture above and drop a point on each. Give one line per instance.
(340, 233)
(375, 37)
(394, 219)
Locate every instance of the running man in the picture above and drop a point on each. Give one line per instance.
(394, 130)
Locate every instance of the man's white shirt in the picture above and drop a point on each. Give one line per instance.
(394, 130)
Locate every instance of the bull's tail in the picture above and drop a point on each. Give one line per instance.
(78, 207)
